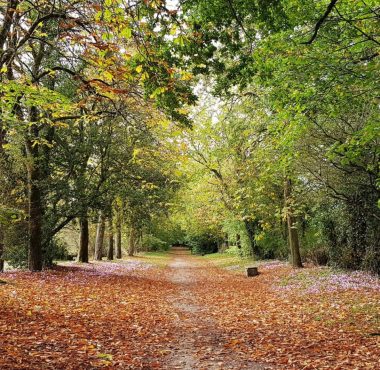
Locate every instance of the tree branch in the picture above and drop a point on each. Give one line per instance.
(320, 22)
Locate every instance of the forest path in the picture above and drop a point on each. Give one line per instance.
(178, 311)
(200, 343)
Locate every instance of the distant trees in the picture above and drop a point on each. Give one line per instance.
(73, 114)
(286, 161)
(305, 77)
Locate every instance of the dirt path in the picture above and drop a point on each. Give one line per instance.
(182, 312)
(200, 342)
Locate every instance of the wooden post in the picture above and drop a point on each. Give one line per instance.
(252, 271)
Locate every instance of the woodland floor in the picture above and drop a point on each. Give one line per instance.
(178, 311)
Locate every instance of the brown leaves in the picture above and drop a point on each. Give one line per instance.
(122, 315)
(70, 317)
(326, 330)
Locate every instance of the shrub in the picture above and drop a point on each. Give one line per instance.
(154, 244)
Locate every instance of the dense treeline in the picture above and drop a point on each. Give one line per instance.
(283, 154)
(81, 138)
(290, 151)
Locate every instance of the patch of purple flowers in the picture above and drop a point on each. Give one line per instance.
(322, 280)
(271, 265)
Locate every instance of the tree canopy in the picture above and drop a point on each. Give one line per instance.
(218, 124)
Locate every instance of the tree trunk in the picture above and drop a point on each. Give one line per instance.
(250, 227)
(226, 242)
(118, 240)
(2, 142)
(132, 242)
(100, 237)
(110, 240)
(1, 248)
(118, 232)
(84, 238)
(35, 211)
(292, 225)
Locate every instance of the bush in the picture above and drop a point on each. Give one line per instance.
(202, 244)
(16, 248)
(56, 250)
(154, 244)
(16, 245)
(273, 245)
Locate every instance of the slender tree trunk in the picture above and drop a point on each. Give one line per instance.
(250, 227)
(110, 240)
(132, 242)
(100, 237)
(140, 240)
(118, 240)
(118, 230)
(84, 238)
(292, 225)
(1, 248)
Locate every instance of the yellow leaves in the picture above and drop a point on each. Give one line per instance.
(126, 32)
(4, 69)
(42, 141)
(105, 356)
(108, 76)
(136, 152)
(259, 236)
(180, 40)
(183, 110)
(144, 76)
(158, 91)
(186, 76)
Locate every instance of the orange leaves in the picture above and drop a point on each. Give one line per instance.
(75, 317)
(129, 315)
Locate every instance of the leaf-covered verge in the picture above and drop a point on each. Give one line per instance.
(100, 315)
(133, 314)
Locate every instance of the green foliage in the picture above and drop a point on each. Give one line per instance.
(202, 244)
(16, 245)
(273, 244)
(57, 249)
(154, 244)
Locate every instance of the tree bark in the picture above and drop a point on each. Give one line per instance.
(100, 237)
(250, 227)
(110, 240)
(118, 230)
(292, 225)
(132, 242)
(1, 248)
(84, 238)
(34, 199)
(118, 239)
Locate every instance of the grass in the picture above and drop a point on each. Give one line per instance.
(160, 259)
(230, 261)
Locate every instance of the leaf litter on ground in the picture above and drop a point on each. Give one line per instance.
(118, 315)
